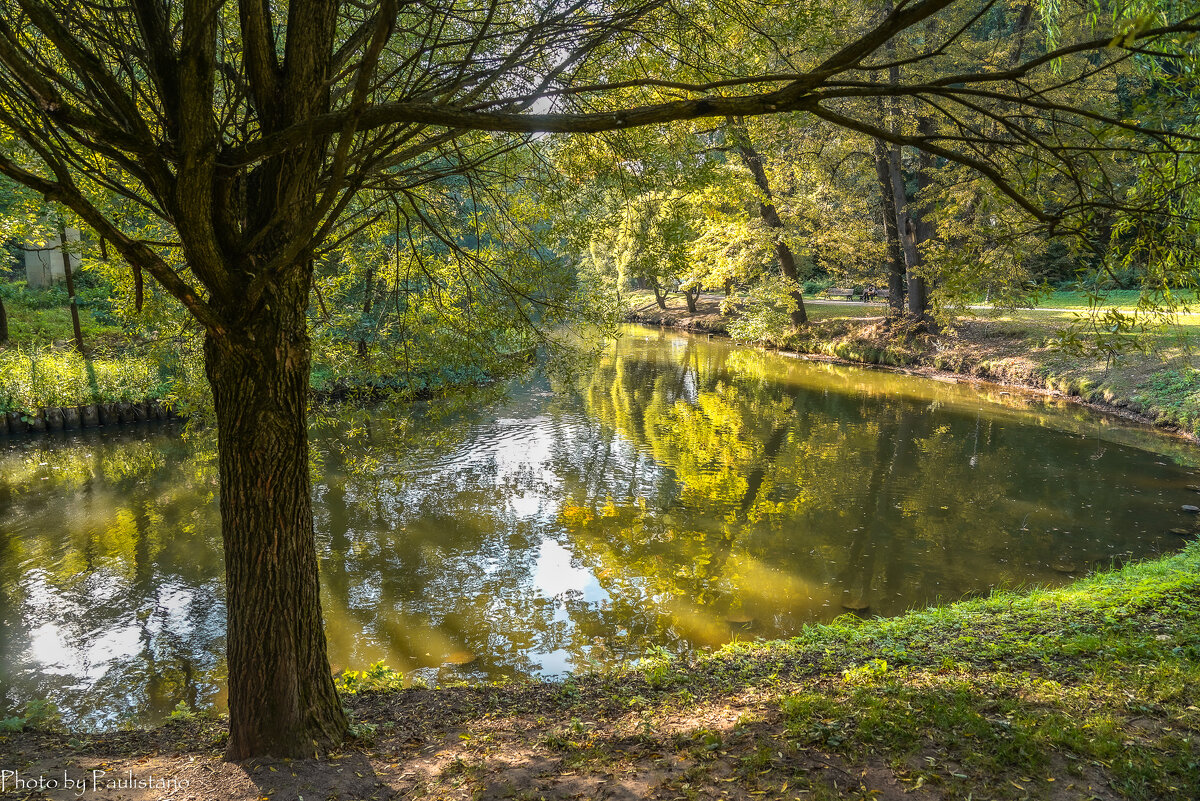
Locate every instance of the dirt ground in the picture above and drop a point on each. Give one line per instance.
(536, 743)
(458, 744)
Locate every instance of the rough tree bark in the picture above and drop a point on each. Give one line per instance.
(900, 202)
(281, 695)
(660, 294)
(912, 231)
(919, 229)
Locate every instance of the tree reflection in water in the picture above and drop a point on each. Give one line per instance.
(683, 493)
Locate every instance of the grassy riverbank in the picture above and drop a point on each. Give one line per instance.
(1083, 692)
(40, 367)
(1160, 385)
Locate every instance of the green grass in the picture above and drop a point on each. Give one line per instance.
(826, 311)
(1183, 329)
(1016, 689)
(40, 368)
(1176, 391)
(43, 316)
(34, 377)
(45, 326)
(1117, 298)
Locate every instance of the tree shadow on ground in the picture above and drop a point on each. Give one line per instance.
(349, 776)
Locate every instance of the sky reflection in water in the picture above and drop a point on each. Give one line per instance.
(685, 492)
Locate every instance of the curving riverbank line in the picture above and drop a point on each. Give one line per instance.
(73, 418)
(980, 352)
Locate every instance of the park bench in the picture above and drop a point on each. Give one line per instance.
(839, 293)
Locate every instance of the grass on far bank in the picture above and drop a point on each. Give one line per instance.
(1112, 298)
(42, 317)
(39, 366)
(36, 377)
(1160, 382)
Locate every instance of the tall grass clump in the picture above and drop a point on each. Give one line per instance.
(35, 377)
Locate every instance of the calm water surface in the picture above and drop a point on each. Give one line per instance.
(683, 493)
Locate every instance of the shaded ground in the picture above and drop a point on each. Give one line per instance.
(1160, 385)
(1085, 692)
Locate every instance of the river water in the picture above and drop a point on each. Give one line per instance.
(682, 493)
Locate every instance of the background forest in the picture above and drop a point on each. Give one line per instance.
(479, 251)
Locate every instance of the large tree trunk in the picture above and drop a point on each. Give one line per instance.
(3, 323)
(887, 193)
(282, 701)
(752, 160)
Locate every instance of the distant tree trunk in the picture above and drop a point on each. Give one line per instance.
(1020, 29)
(908, 223)
(900, 201)
(660, 294)
(921, 231)
(282, 700)
(912, 231)
(367, 292)
(66, 257)
(770, 215)
(917, 304)
(690, 296)
(922, 228)
(3, 323)
(895, 251)
(728, 287)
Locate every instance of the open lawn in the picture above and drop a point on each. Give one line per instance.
(1116, 298)
(46, 326)
(43, 317)
(39, 366)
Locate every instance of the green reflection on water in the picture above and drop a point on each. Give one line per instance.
(684, 493)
